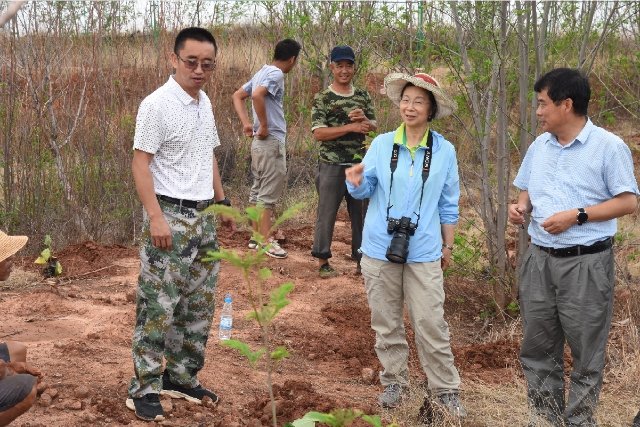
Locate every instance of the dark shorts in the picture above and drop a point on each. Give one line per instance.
(15, 388)
(4, 352)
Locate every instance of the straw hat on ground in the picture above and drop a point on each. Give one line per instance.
(395, 82)
(9, 245)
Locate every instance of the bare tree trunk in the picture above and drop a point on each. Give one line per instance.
(539, 42)
(587, 32)
(56, 147)
(602, 36)
(501, 296)
(8, 164)
(523, 86)
(12, 9)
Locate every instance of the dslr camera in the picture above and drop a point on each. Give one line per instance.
(398, 249)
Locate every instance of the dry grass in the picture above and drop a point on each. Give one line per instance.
(20, 279)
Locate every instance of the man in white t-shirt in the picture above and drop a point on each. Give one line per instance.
(176, 175)
(269, 130)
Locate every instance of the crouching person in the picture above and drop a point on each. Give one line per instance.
(18, 379)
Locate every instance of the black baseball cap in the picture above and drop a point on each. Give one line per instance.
(342, 52)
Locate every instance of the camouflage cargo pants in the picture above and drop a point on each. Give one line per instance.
(175, 301)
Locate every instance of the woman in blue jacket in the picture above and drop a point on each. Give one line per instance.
(411, 177)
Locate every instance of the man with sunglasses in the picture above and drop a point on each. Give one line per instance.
(177, 177)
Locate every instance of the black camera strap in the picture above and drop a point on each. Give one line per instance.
(426, 165)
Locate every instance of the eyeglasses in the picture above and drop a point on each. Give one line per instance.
(192, 65)
(415, 102)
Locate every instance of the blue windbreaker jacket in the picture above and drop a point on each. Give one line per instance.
(439, 202)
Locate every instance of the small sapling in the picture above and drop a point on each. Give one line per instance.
(52, 266)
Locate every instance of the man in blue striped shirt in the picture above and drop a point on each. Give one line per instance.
(575, 180)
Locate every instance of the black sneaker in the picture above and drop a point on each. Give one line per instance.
(326, 271)
(636, 420)
(175, 391)
(147, 407)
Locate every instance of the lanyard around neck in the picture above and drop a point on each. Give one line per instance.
(426, 165)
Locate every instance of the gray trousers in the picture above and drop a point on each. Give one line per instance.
(562, 299)
(331, 187)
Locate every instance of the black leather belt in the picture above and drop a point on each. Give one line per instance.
(193, 204)
(579, 249)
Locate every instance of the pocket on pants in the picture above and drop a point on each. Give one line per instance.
(370, 267)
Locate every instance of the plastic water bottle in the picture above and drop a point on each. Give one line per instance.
(226, 319)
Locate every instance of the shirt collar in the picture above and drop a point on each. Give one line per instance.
(400, 132)
(582, 137)
(180, 93)
(343, 94)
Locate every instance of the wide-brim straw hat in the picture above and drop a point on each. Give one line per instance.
(395, 82)
(9, 245)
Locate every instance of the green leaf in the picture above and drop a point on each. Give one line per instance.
(46, 254)
(264, 273)
(47, 240)
(252, 315)
(320, 417)
(243, 349)
(301, 423)
(40, 260)
(254, 212)
(58, 270)
(288, 214)
(373, 420)
(280, 353)
(227, 211)
(277, 300)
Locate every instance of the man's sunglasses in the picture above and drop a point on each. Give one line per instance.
(192, 65)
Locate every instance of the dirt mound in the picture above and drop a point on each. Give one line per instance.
(88, 256)
(494, 362)
(40, 306)
(300, 239)
(293, 400)
(353, 340)
(95, 253)
(112, 408)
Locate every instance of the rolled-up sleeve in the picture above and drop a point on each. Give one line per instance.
(448, 205)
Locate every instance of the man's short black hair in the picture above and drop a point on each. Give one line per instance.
(193, 33)
(565, 83)
(286, 49)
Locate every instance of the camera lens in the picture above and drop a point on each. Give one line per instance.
(398, 249)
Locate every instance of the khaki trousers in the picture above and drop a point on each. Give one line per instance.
(420, 285)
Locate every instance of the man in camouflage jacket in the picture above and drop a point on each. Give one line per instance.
(341, 118)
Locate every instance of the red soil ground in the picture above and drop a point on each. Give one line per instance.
(79, 327)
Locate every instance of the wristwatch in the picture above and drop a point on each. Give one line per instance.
(224, 201)
(447, 247)
(582, 216)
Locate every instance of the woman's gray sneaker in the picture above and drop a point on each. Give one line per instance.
(393, 396)
(451, 401)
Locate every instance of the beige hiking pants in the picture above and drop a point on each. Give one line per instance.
(420, 285)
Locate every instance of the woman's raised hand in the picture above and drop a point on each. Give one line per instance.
(354, 174)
